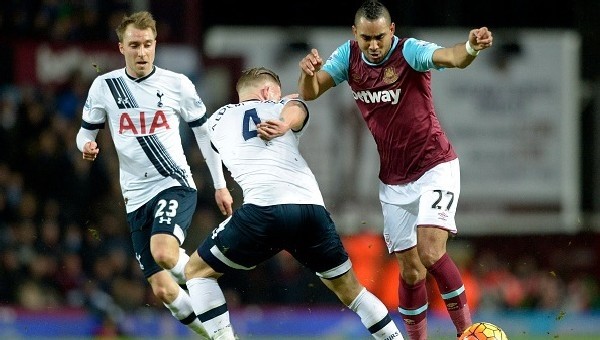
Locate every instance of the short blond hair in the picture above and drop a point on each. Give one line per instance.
(140, 20)
(256, 75)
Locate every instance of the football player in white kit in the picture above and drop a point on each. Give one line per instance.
(283, 208)
(142, 105)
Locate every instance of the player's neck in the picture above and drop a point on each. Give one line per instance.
(249, 98)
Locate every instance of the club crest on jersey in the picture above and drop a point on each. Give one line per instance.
(159, 95)
(138, 125)
(138, 257)
(389, 75)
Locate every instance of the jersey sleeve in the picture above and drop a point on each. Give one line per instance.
(419, 54)
(338, 63)
(211, 156)
(192, 107)
(94, 112)
(305, 123)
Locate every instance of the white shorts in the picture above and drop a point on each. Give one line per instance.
(430, 200)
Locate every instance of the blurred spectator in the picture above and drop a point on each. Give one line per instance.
(71, 97)
(499, 287)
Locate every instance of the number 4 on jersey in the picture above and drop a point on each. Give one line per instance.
(250, 115)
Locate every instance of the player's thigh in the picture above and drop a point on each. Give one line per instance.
(140, 225)
(168, 214)
(173, 211)
(440, 191)
(311, 237)
(242, 241)
(399, 227)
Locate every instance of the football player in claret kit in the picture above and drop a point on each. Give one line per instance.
(142, 105)
(419, 188)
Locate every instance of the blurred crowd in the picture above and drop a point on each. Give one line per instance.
(62, 20)
(64, 241)
(499, 272)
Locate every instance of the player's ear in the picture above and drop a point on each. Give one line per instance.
(121, 48)
(264, 92)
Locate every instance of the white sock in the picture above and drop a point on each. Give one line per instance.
(178, 270)
(375, 316)
(210, 306)
(182, 310)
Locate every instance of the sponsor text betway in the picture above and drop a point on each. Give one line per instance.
(386, 96)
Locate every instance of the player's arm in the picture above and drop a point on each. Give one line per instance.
(293, 117)
(192, 110)
(93, 111)
(215, 166)
(294, 114)
(86, 143)
(462, 55)
(313, 82)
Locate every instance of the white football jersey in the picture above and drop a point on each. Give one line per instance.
(269, 173)
(143, 116)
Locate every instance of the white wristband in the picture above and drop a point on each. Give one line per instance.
(471, 50)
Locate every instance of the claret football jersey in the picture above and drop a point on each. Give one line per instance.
(396, 102)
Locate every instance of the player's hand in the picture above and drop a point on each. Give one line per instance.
(270, 129)
(224, 201)
(312, 63)
(90, 151)
(480, 38)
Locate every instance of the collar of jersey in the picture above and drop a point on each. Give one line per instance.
(139, 80)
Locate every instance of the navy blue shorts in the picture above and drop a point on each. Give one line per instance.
(169, 212)
(254, 234)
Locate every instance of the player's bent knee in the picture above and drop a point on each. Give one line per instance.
(166, 259)
(429, 259)
(412, 275)
(430, 256)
